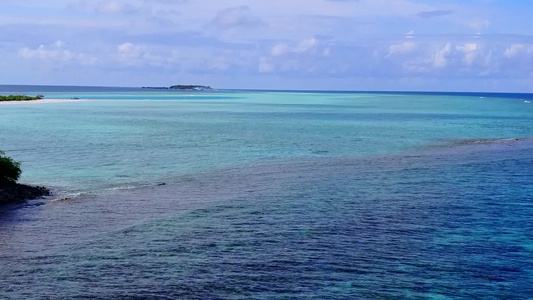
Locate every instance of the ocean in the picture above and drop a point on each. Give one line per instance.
(226, 194)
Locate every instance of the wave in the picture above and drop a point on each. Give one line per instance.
(489, 141)
(479, 145)
(68, 196)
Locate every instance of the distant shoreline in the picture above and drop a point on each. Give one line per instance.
(17, 88)
(41, 101)
(16, 193)
(180, 87)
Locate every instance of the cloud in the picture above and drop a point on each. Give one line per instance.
(440, 60)
(307, 57)
(307, 45)
(513, 50)
(373, 8)
(479, 23)
(56, 53)
(460, 59)
(234, 17)
(103, 6)
(130, 54)
(516, 50)
(432, 57)
(109, 6)
(401, 48)
(247, 41)
(470, 52)
(165, 2)
(279, 50)
(434, 13)
(125, 48)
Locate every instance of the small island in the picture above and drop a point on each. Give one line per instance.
(190, 87)
(12, 192)
(20, 98)
(181, 87)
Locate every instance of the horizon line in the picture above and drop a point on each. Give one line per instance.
(286, 90)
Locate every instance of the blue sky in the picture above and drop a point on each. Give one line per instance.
(477, 45)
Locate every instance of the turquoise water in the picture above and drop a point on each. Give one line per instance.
(101, 143)
(270, 195)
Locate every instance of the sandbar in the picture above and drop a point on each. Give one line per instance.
(41, 101)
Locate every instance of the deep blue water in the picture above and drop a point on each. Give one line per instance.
(271, 196)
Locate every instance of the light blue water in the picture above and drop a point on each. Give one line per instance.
(270, 195)
(100, 143)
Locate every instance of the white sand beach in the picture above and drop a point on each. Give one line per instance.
(41, 101)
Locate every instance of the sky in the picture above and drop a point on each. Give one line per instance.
(413, 45)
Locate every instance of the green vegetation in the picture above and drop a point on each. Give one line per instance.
(180, 87)
(20, 98)
(190, 87)
(9, 169)
(12, 192)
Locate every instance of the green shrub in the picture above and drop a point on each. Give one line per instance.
(9, 169)
(20, 98)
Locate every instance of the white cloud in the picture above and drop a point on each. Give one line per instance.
(279, 50)
(307, 45)
(56, 52)
(470, 52)
(59, 44)
(401, 48)
(135, 55)
(518, 49)
(440, 60)
(129, 53)
(125, 48)
(234, 17)
(479, 23)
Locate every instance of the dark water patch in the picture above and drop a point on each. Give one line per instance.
(484, 144)
(448, 222)
(372, 116)
(496, 141)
